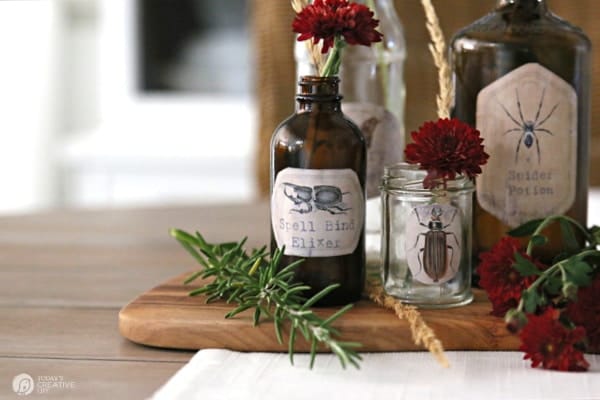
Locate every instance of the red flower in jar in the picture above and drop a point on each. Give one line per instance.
(446, 148)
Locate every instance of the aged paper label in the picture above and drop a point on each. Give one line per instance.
(528, 119)
(317, 212)
(434, 243)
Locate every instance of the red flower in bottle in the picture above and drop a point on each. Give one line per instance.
(502, 282)
(327, 19)
(585, 312)
(446, 148)
(547, 342)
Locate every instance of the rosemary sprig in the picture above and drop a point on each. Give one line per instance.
(256, 282)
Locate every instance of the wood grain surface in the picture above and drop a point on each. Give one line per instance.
(167, 317)
(64, 276)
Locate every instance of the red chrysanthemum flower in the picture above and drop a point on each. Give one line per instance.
(585, 312)
(327, 19)
(502, 282)
(446, 148)
(547, 342)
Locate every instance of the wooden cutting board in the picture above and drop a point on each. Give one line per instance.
(167, 317)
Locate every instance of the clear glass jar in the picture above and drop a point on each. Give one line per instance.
(426, 241)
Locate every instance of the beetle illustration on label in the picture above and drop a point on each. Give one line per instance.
(326, 198)
(317, 213)
(434, 243)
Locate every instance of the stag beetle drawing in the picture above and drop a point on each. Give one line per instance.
(433, 256)
(321, 197)
(529, 129)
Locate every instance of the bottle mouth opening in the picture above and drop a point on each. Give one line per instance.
(408, 178)
(321, 86)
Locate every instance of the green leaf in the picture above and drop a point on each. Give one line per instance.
(351, 344)
(313, 352)
(198, 291)
(187, 241)
(278, 333)
(337, 314)
(256, 318)
(310, 302)
(539, 240)
(595, 233)
(553, 285)
(289, 268)
(291, 342)
(578, 272)
(524, 266)
(568, 236)
(237, 310)
(354, 358)
(527, 229)
(531, 300)
(192, 277)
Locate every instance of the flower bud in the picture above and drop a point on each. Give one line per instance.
(569, 291)
(515, 320)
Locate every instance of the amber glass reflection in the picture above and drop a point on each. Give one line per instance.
(318, 136)
(518, 32)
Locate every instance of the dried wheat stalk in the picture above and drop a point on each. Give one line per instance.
(421, 333)
(313, 49)
(438, 51)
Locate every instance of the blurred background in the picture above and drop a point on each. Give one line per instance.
(126, 103)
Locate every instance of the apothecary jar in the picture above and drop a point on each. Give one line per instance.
(426, 241)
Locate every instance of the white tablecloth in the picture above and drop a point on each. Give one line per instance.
(229, 375)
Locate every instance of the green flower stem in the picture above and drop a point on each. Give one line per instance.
(553, 218)
(381, 64)
(558, 267)
(334, 60)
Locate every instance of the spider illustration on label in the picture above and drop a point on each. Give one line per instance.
(321, 197)
(528, 129)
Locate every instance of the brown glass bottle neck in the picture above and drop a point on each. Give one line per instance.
(533, 5)
(322, 106)
(318, 93)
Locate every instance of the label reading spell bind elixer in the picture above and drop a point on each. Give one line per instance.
(317, 212)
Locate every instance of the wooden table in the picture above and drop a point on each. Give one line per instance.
(65, 275)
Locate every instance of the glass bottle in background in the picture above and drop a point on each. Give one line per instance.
(372, 83)
(522, 77)
(318, 173)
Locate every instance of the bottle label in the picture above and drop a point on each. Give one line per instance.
(434, 243)
(317, 212)
(528, 119)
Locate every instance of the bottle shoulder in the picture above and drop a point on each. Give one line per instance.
(498, 28)
(296, 127)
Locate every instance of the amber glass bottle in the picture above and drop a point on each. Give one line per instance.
(318, 167)
(522, 77)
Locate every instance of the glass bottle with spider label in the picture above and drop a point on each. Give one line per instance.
(426, 242)
(318, 173)
(522, 77)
